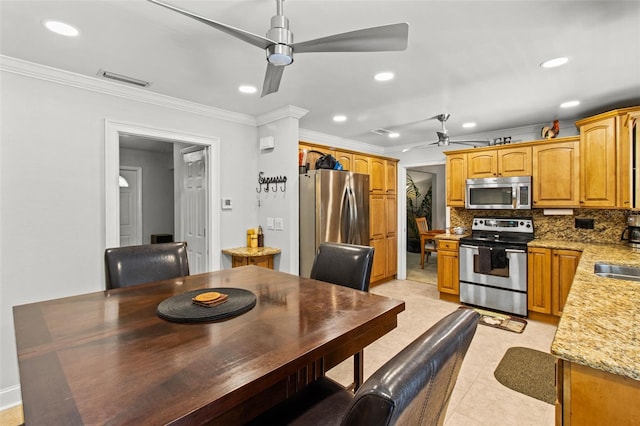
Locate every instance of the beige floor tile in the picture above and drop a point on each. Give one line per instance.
(478, 398)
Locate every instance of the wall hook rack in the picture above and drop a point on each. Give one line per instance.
(275, 181)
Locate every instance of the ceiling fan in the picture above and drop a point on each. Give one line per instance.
(280, 47)
(443, 136)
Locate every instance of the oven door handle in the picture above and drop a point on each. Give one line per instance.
(506, 250)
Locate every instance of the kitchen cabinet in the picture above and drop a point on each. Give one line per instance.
(456, 171)
(499, 162)
(588, 396)
(550, 274)
(312, 157)
(605, 165)
(448, 267)
(382, 205)
(556, 173)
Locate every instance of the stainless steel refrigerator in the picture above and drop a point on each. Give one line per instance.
(334, 206)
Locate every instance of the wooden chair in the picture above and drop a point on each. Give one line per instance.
(131, 265)
(427, 241)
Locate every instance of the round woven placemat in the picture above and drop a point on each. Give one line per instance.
(180, 308)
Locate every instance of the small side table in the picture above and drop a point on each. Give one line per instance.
(259, 256)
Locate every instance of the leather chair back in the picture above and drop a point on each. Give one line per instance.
(131, 265)
(415, 386)
(348, 265)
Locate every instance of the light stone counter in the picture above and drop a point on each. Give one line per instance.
(600, 324)
(251, 251)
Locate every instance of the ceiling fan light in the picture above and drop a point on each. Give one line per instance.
(279, 59)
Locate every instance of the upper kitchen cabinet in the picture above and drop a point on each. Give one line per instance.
(605, 165)
(391, 176)
(556, 173)
(377, 176)
(502, 162)
(360, 164)
(456, 170)
(313, 153)
(346, 159)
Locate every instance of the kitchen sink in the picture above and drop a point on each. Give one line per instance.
(617, 271)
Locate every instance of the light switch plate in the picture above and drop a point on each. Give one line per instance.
(279, 224)
(269, 223)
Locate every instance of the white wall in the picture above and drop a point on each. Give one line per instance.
(52, 196)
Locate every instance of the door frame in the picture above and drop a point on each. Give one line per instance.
(402, 214)
(138, 171)
(113, 131)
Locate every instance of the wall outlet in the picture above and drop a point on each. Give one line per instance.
(270, 223)
(279, 224)
(584, 223)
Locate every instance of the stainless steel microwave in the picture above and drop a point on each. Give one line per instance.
(506, 193)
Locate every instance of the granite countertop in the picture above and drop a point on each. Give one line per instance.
(600, 324)
(251, 251)
(449, 236)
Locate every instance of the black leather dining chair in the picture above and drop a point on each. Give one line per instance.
(348, 265)
(131, 265)
(412, 388)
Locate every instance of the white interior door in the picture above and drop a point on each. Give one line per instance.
(130, 206)
(194, 211)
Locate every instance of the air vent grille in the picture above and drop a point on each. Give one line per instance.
(381, 131)
(123, 78)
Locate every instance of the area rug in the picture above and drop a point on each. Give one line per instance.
(528, 371)
(499, 320)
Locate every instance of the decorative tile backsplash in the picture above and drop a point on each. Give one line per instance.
(608, 224)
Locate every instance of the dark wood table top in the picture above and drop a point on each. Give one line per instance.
(106, 358)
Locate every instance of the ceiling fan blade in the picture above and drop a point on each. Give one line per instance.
(272, 79)
(243, 35)
(472, 143)
(385, 38)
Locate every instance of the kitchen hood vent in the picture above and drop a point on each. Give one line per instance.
(123, 78)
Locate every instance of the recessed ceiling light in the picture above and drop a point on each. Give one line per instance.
(569, 104)
(555, 62)
(469, 125)
(61, 28)
(247, 89)
(394, 135)
(339, 118)
(384, 76)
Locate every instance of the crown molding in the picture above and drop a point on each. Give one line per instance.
(338, 142)
(289, 111)
(58, 76)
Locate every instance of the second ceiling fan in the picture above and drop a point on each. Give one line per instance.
(443, 136)
(280, 47)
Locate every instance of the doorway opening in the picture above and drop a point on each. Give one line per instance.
(180, 152)
(425, 196)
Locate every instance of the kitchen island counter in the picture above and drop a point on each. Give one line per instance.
(599, 325)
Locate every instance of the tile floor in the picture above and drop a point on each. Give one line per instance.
(478, 398)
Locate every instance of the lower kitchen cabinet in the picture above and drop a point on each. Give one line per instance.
(588, 396)
(448, 267)
(550, 274)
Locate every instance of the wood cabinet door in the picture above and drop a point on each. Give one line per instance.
(448, 272)
(377, 216)
(391, 176)
(392, 256)
(539, 280)
(379, 268)
(312, 157)
(456, 170)
(346, 159)
(361, 165)
(514, 161)
(598, 164)
(563, 264)
(391, 215)
(482, 164)
(556, 175)
(376, 175)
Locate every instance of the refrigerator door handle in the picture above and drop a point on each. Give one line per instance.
(353, 217)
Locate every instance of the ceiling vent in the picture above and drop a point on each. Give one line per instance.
(123, 78)
(381, 131)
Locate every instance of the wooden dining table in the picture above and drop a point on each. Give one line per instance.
(107, 358)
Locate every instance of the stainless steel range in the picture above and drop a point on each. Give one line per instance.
(493, 264)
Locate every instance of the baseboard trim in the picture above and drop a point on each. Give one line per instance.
(10, 397)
